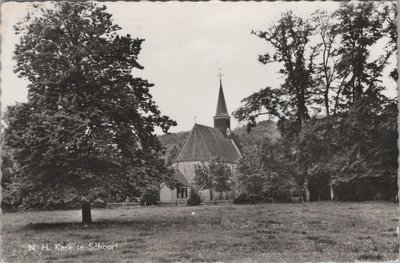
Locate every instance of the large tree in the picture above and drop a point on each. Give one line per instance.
(360, 28)
(290, 39)
(87, 130)
(360, 105)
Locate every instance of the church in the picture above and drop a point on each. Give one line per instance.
(202, 144)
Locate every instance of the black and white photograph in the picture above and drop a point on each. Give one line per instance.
(184, 131)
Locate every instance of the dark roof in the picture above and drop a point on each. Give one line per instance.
(180, 178)
(222, 110)
(204, 143)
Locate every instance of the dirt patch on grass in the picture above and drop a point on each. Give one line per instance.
(370, 257)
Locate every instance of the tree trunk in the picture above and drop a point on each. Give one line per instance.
(86, 213)
(332, 192)
(306, 190)
(326, 99)
(211, 195)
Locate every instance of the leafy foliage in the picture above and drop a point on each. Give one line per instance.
(290, 37)
(194, 198)
(360, 28)
(150, 197)
(265, 171)
(87, 128)
(244, 198)
(349, 137)
(368, 148)
(214, 175)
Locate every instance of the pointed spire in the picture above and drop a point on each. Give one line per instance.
(222, 110)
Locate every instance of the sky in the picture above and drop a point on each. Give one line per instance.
(186, 45)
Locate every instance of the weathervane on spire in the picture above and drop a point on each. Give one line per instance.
(220, 74)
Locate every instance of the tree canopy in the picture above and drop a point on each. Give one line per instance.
(213, 175)
(331, 105)
(87, 129)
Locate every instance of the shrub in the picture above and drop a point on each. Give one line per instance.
(150, 197)
(194, 198)
(281, 187)
(99, 203)
(255, 199)
(241, 199)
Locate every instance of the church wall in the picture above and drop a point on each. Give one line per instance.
(169, 195)
(165, 194)
(187, 168)
(205, 195)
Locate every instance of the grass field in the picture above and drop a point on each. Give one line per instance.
(319, 231)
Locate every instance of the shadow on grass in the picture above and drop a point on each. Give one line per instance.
(138, 224)
(373, 257)
(95, 225)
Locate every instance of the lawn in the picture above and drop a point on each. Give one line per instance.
(319, 231)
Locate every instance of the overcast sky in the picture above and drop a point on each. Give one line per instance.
(186, 45)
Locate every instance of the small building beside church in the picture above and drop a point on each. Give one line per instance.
(202, 144)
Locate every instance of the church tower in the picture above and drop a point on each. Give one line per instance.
(222, 120)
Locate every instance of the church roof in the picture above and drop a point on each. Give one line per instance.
(204, 143)
(222, 110)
